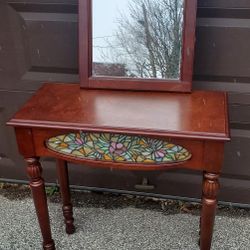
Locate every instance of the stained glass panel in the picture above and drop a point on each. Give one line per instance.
(118, 148)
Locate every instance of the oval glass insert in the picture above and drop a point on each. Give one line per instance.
(118, 148)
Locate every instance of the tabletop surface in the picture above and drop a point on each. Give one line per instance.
(199, 115)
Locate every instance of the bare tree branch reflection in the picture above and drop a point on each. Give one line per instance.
(148, 39)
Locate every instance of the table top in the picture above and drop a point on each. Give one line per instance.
(199, 115)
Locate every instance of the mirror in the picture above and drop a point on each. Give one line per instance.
(137, 44)
(138, 38)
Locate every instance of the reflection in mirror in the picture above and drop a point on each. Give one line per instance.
(138, 38)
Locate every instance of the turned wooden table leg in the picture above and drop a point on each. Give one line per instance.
(34, 171)
(63, 176)
(209, 205)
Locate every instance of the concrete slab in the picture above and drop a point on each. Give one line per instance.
(109, 222)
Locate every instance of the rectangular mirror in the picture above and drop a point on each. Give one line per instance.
(137, 44)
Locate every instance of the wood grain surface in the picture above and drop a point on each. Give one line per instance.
(201, 115)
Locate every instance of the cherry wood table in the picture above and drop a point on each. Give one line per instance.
(125, 130)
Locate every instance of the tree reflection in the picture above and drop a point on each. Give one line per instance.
(148, 39)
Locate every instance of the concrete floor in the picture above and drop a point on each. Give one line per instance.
(109, 222)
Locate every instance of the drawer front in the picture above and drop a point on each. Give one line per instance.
(121, 151)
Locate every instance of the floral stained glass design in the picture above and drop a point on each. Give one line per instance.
(118, 148)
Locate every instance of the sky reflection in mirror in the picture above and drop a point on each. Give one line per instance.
(137, 38)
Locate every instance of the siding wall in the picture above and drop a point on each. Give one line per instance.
(38, 42)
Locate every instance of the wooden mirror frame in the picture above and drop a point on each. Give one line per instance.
(87, 80)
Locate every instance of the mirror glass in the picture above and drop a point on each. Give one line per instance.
(137, 38)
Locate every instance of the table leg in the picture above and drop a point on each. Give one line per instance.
(34, 171)
(63, 176)
(209, 205)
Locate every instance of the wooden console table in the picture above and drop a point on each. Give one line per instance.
(125, 130)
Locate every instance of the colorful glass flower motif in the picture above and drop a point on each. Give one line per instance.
(118, 148)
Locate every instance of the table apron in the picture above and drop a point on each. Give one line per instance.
(207, 155)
